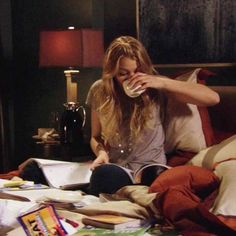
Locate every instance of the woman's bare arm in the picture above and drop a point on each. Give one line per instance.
(96, 141)
(183, 91)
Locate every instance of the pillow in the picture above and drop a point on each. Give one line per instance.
(207, 128)
(210, 156)
(187, 127)
(224, 206)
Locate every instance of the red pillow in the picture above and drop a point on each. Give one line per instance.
(208, 131)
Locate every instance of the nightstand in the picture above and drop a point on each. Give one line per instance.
(64, 152)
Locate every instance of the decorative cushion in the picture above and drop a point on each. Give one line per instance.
(210, 156)
(187, 127)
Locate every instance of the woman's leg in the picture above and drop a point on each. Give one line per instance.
(108, 179)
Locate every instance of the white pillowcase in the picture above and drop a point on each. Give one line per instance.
(224, 204)
(183, 125)
(212, 155)
(222, 159)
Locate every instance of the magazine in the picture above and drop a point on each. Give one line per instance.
(143, 231)
(62, 174)
(42, 221)
(72, 175)
(146, 174)
(99, 232)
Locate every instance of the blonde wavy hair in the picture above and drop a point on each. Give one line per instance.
(114, 110)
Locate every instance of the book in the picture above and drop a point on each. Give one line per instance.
(42, 221)
(114, 222)
(15, 185)
(62, 174)
(146, 174)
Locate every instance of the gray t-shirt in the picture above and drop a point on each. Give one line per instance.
(149, 148)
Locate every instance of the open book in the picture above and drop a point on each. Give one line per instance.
(146, 174)
(62, 174)
(70, 175)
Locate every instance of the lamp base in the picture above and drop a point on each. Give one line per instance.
(71, 87)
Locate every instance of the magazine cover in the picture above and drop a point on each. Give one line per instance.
(43, 221)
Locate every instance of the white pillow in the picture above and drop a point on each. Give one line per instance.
(212, 155)
(224, 204)
(183, 125)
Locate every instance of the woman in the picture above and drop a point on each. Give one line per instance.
(128, 130)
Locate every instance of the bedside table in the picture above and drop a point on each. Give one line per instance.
(64, 152)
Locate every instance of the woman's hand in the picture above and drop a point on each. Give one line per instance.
(101, 159)
(143, 81)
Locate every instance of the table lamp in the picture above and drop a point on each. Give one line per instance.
(71, 49)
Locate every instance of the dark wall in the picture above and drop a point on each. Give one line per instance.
(38, 92)
(189, 31)
(119, 19)
(6, 86)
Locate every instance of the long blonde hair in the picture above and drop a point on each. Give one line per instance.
(114, 110)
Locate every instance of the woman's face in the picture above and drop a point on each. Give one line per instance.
(127, 68)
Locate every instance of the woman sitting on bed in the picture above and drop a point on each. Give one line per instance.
(127, 126)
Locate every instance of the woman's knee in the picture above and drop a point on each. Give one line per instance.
(108, 178)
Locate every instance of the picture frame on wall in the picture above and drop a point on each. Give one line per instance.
(188, 31)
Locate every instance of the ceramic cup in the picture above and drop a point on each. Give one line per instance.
(132, 92)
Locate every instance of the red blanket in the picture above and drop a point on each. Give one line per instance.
(186, 195)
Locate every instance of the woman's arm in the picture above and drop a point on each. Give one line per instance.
(96, 141)
(188, 92)
(182, 91)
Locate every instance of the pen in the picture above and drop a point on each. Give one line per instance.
(72, 223)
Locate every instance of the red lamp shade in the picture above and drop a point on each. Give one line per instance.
(71, 48)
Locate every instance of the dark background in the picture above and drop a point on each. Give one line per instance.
(188, 31)
(28, 94)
